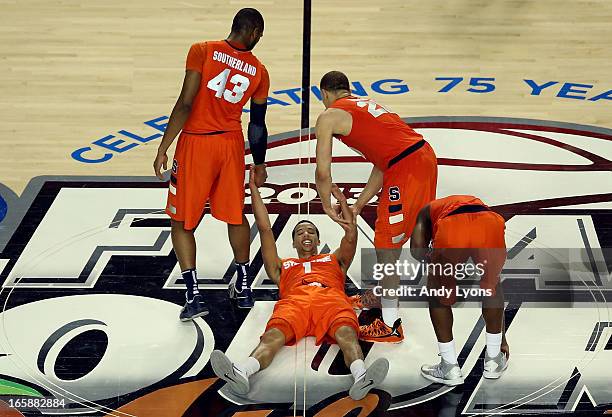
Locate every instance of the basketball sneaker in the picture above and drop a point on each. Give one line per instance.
(194, 308)
(227, 371)
(372, 377)
(244, 298)
(443, 373)
(494, 367)
(365, 301)
(378, 331)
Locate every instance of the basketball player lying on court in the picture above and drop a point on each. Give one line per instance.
(312, 302)
(461, 227)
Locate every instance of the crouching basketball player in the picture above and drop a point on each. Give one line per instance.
(461, 227)
(312, 302)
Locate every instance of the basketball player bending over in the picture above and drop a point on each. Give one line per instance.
(312, 302)
(461, 227)
(405, 167)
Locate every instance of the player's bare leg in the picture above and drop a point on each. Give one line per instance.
(442, 321)
(497, 352)
(347, 341)
(270, 343)
(364, 379)
(240, 240)
(390, 305)
(447, 371)
(184, 245)
(237, 374)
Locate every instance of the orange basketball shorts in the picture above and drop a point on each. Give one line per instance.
(479, 236)
(207, 168)
(313, 311)
(408, 186)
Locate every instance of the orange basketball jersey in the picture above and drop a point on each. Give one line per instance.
(378, 134)
(438, 209)
(323, 268)
(230, 77)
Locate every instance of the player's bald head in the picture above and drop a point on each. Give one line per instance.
(334, 81)
(247, 20)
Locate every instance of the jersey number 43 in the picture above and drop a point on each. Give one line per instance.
(218, 85)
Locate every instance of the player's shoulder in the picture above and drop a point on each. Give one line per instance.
(204, 46)
(259, 63)
(332, 115)
(213, 43)
(199, 48)
(200, 44)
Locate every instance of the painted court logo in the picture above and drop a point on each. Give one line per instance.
(551, 181)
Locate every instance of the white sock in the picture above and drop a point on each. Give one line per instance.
(248, 367)
(494, 341)
(447, 351)
(389, 310)
(358, 369)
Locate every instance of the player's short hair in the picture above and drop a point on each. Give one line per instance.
(304, 221)
(334, 81)
(247, 20)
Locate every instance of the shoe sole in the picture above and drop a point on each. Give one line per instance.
(202, 314)
(449, 382)
(222, 366)
(382, 340)
(375, 374)
(494, 375)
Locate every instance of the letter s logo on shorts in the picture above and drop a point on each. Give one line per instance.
(394, 193)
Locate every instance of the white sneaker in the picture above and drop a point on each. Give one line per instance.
(494, 367)
(374, 375)
(443, 373)
(227, 371)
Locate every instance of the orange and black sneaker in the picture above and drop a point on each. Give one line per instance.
(378, 331)
(365, 301)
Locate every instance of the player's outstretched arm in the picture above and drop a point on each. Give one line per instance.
(421, 234)
(257, 131)
(272, 262)
(375, 183)
(258, 138)
(348, 245)
(178, 117)
(324, 130)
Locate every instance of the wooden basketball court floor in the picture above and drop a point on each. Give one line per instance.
(514, 96)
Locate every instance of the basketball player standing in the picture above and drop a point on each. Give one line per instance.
(221, 76)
